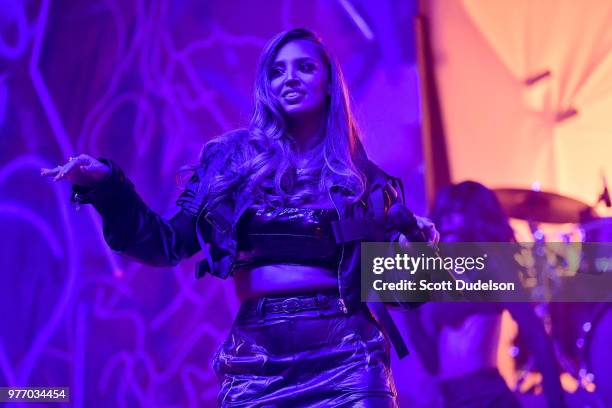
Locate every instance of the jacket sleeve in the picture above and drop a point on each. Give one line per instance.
(131, 228)
(393, 193)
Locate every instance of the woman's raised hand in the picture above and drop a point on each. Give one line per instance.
(82, 170)
(428, 228)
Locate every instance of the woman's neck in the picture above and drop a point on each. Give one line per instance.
(307, 134)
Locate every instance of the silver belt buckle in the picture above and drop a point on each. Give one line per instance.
(291, 305)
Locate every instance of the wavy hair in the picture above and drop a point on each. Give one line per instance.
(483, 219)
(263, 161)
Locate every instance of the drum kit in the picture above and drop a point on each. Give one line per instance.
(581, 331)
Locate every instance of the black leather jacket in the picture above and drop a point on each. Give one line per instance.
(131, 228)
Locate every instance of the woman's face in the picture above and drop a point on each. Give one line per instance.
(298, 79)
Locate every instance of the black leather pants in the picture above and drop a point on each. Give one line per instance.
(301, 351)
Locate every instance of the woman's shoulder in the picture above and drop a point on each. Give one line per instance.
(376, 175)
(380, 180)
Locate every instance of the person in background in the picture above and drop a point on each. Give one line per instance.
(466, 335)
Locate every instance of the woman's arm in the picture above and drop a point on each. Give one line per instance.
(130, 227)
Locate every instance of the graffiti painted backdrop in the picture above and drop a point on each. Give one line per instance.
(146, 83)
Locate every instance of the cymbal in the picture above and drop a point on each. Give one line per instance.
(541, 206)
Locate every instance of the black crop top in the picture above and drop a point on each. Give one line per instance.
(301, 236)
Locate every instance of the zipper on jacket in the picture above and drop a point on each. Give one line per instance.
(341, 302)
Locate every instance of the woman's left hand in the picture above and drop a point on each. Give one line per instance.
(428, 228)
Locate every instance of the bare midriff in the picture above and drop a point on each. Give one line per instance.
(470, 347)
(278, 279)
(283, 279)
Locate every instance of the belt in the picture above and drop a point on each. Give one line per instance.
(289, 304)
